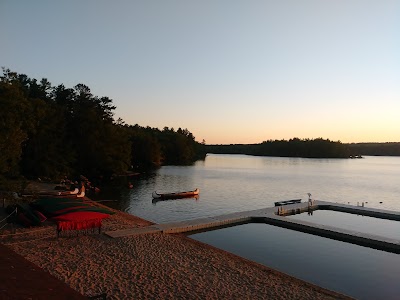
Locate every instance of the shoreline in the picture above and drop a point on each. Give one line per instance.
(149, 266)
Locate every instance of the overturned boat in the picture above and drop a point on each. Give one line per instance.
(176, 195)
(287, 202)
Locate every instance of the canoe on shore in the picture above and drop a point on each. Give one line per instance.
(287, 202)
(175, 195)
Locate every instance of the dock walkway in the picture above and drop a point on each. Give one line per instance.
(270, 216)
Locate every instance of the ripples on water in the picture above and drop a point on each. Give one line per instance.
(232, 183)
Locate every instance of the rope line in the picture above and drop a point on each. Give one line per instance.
(15, 211)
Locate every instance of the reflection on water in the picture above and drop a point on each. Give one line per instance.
(156, 200)
(365, 224)
(357, 271)
(233, 183)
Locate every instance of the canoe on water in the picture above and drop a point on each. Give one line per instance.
(175, 195)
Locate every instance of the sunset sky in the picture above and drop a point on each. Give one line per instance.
(228, 71)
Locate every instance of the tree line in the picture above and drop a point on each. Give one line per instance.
(308, 148)
(52, 131)
(376, 149)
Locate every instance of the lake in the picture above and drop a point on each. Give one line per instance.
(233, 183)
(356, 271)
(359, 223)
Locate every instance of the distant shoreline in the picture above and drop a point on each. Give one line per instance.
(318, 148)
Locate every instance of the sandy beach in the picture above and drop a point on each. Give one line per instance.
(152, 266)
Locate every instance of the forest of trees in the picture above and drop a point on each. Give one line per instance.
(311, 148)
(52, 131)
(376, 149)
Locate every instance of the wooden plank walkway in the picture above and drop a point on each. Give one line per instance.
(269, 216)
(21, 279)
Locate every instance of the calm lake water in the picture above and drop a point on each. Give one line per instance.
(359, 223)
(356, 271)
(233, 183)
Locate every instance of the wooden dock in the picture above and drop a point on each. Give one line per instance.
(270, 216)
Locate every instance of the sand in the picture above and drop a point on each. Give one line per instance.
(153, 266)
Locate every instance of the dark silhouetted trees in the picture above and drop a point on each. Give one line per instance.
(13, 126)
(52, 131)
(376, 149)
(310, 148)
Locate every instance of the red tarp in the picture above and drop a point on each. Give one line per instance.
(79, 220)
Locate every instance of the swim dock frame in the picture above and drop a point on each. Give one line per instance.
(276, 216)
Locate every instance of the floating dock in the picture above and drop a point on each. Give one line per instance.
(276, 216)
